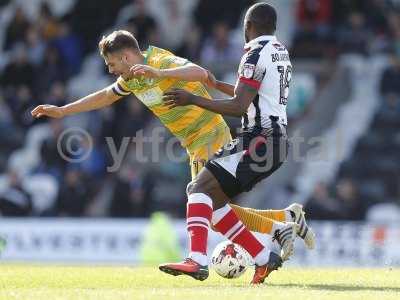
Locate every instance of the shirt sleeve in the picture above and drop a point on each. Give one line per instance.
(251, 70)
(120, 87)
(172, 61)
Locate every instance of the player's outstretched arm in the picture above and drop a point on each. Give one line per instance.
(188, 72)
(93, 101)
(235, 106)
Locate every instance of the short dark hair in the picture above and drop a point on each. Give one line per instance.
(263, 16)
(116, 41)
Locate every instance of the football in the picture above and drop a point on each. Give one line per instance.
(229, 260)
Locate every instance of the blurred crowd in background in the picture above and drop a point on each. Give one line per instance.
(42, 54)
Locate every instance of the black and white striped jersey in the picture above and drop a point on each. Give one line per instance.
(266, 66)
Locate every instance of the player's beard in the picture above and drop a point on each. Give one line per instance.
(125, 67)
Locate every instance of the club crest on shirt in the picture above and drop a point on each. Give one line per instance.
(248, 70)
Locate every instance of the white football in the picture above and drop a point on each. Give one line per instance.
(229, 260)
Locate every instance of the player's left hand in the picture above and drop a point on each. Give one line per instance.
(177, 97)
(144, 70)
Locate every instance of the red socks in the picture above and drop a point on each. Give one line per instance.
(226, 222)
(198, 218)
(199, 213)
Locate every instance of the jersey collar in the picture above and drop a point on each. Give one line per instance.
(146, 54)
(258, 39)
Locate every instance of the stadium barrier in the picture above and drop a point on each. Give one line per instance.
(119, 241)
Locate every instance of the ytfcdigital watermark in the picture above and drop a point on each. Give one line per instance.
(75, 145)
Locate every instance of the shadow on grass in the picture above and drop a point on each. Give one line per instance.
(336, 287)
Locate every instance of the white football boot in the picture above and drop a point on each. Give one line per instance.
(285, 237)
(304, 232)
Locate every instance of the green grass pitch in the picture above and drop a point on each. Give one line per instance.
(46, 282)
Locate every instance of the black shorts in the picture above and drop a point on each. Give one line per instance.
(248, 159)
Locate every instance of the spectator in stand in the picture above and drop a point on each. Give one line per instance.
(390, 82)
(171, 14)
(94, 165)
(50, 71)
(120, 206)
(20, 103)
(70, 48)
(341, 10)
(314, 14)
(48, 24)
(390, 87)
(147, 26)
(128, 196)
(209, 12)
(321, 206)
(15, 201)
(132, 116)
(376, 12)
(354, 37)
(312, 38)
(133, 119)
(51, 161)
(352, 206)
(10, 136)
(19, 71)
(344, 205)
(16, 29)
(397, 192)
(57, 94)
(219, 53)
(36, 47)
(394, 38)
(73, 197)
(191, 45)
(92, 18)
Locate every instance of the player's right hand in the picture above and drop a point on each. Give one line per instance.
(144, 70)
(47, 110)
(211, 81)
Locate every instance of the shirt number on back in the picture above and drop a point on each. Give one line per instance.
(284, 81)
